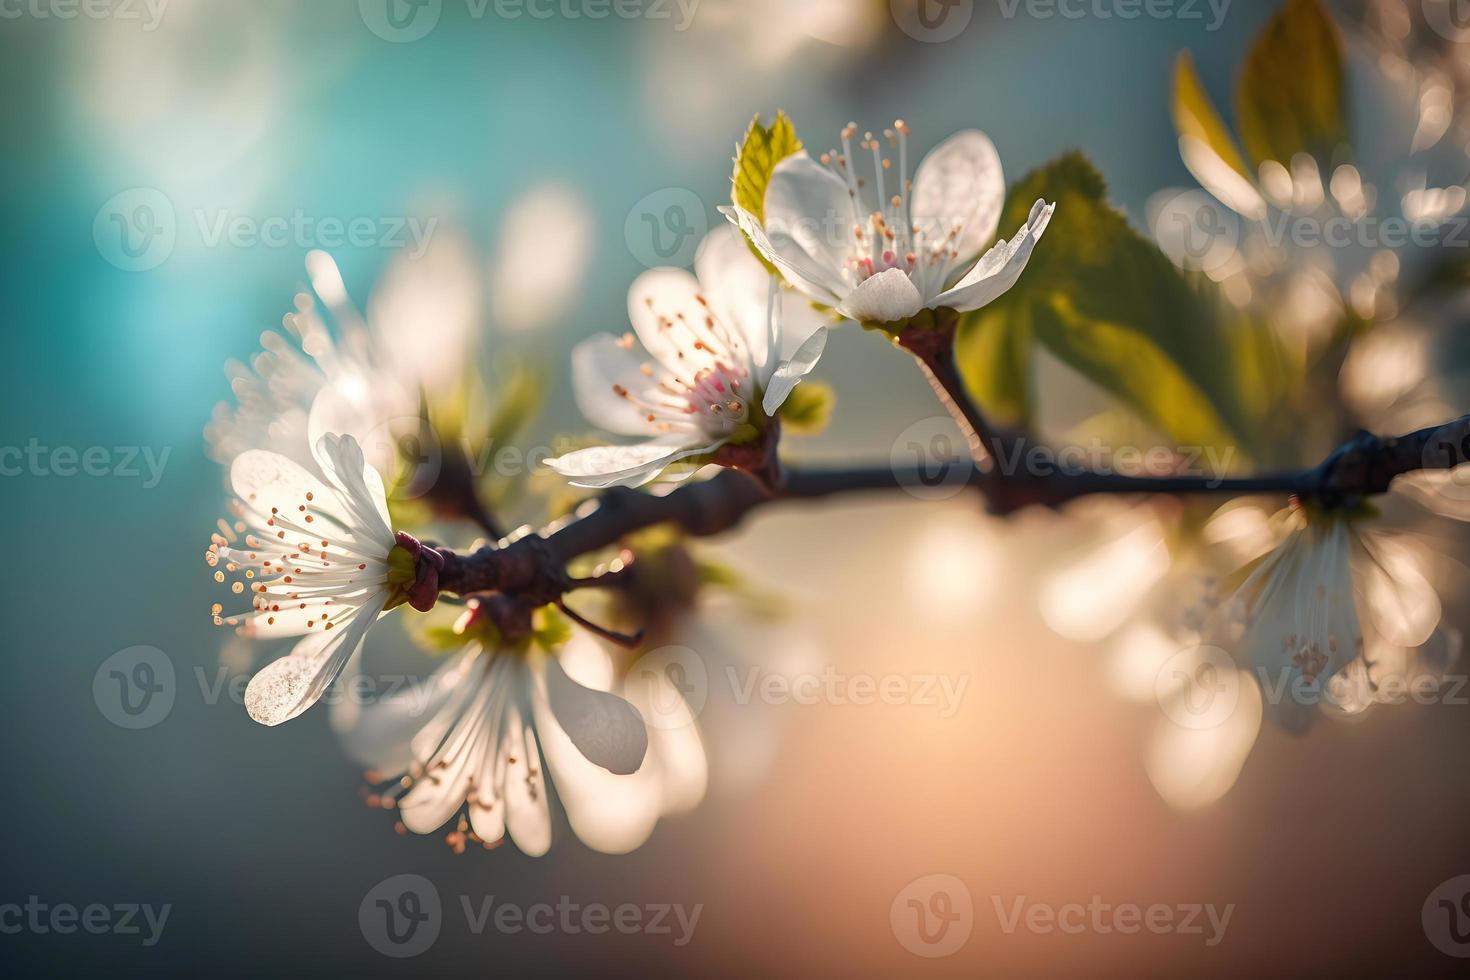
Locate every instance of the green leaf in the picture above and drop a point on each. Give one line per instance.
(1107, 302)
(762, 148)
(808, 409)
(1291, 97)
(994, 353)
(1195, 116)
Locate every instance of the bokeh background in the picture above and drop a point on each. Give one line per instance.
(540, 140)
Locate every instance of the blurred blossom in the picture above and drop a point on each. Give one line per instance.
(1193, 767)
(1329, 617)
(356, 376)
(542, 253)
(473, 747)
(688, 73)
(190, 98)
(955, 566)
(1094, 591)
(1308, 246)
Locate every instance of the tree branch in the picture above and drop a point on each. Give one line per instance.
(535, 565)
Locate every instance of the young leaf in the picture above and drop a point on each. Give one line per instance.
(762, 148)
(1205, 143)
(1108, 303)
(808, 409)
(1292, 95)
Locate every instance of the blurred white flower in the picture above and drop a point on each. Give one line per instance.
(502, 723)
(915, 249)
(726, 353)
(366, 377)
(319, 559)
(1329, 618)
(544, 245)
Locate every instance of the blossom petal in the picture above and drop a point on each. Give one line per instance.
(736, 285)
(290, 685)
(812, 207)
(623, 466)
(379, 735)
(359, 486)
(959, 183)
(598, 364)
(792, 371)
(791, 259)
(607, 730)
(664, 308)
(527, 816)
(890, 295)
(999, 268)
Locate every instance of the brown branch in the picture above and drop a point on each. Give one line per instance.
(535, 565)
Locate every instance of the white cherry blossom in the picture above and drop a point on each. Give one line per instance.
(912, 249)
(318, 559)
(720, 352)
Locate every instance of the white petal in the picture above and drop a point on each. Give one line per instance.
(527, 815)
(609, 813)
(426, 310)
(346, 407)
(1193, 767)
(790, 258)
(890, 295)
(676, 754)
(607, 730)
(358, 485)
(598, 364)
(263, 479)
(290, 685)
(812, 207)
(736, 285)
(999, 268)
(623, 466)
(662, 304)
(792, 371)
(378, 735)
(959, 182)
